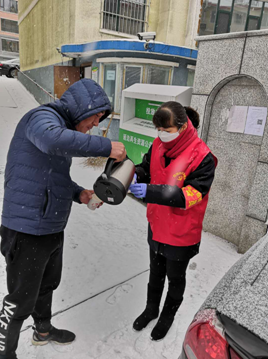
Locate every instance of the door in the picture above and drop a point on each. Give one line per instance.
(64, 77)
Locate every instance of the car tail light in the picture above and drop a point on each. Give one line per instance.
(234, 355)
(1, 65)
(205, 338)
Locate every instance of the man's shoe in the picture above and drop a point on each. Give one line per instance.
(58, 336)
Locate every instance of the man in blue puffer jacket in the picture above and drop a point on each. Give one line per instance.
(37, 202)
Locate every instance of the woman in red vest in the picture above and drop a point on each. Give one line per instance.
(174, 178)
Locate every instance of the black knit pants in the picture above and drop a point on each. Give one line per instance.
(33, 265)
(160, 267)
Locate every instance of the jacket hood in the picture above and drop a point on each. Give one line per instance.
(83, 99)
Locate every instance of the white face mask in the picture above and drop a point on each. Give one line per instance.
(166, 136)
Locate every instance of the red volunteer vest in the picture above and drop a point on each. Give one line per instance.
(170, 225)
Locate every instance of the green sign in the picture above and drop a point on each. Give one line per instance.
(136, 145)
(146, 109)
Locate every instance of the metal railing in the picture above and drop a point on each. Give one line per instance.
(51, 97)
(126, 16)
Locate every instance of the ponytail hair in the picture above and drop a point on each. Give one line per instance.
(172, 113)
(193, 116)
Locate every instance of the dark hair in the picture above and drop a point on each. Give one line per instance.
(174, 114)
(193, 116)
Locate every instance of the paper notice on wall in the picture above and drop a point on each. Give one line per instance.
(237, 119)
(256, 121)
(110, 75)
(95, 71)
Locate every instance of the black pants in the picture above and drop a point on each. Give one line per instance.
(34, 265)
(160, 267)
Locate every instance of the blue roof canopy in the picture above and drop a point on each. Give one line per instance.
(102, 46)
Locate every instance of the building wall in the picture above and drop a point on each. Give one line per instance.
(172, 21)
(227, 74)
(87, 23)
(5, 55)
(194, 15)
(47, 26)
(154, 15)
(23, 6)
(175, 21)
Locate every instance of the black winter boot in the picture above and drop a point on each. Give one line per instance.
(152, 308)
(166, 318)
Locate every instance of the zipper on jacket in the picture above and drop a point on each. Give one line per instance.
(46, 203)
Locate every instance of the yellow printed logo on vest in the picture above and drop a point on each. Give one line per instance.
(180, 176)
(192, 196)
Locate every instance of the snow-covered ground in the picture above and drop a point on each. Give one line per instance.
(105, 274)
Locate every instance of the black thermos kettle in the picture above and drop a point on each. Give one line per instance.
(112, 185)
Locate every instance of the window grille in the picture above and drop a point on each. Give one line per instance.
(9, 26)
(10, 46)
(9, 5)
(126, 16)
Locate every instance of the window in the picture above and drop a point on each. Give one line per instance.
(233, 16)
(256, 8)
(254, 19)
(240, 13)
(238, 18)
(127, 16)
(116, 77)
(253, 23)
(213, 16)
(110, 81)
(9, 5)
(264, 23)
(10, 46)
(158, 75)
(223, 22)
(225, 5)
(9, 26)
(191, 74)
(223, 16)
(207, 24)
(132, 75)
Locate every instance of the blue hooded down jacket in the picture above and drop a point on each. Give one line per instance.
(38, 188)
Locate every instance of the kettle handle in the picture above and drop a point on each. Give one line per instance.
(108, 168)
(109, 165)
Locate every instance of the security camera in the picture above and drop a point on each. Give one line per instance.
(147, 36)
